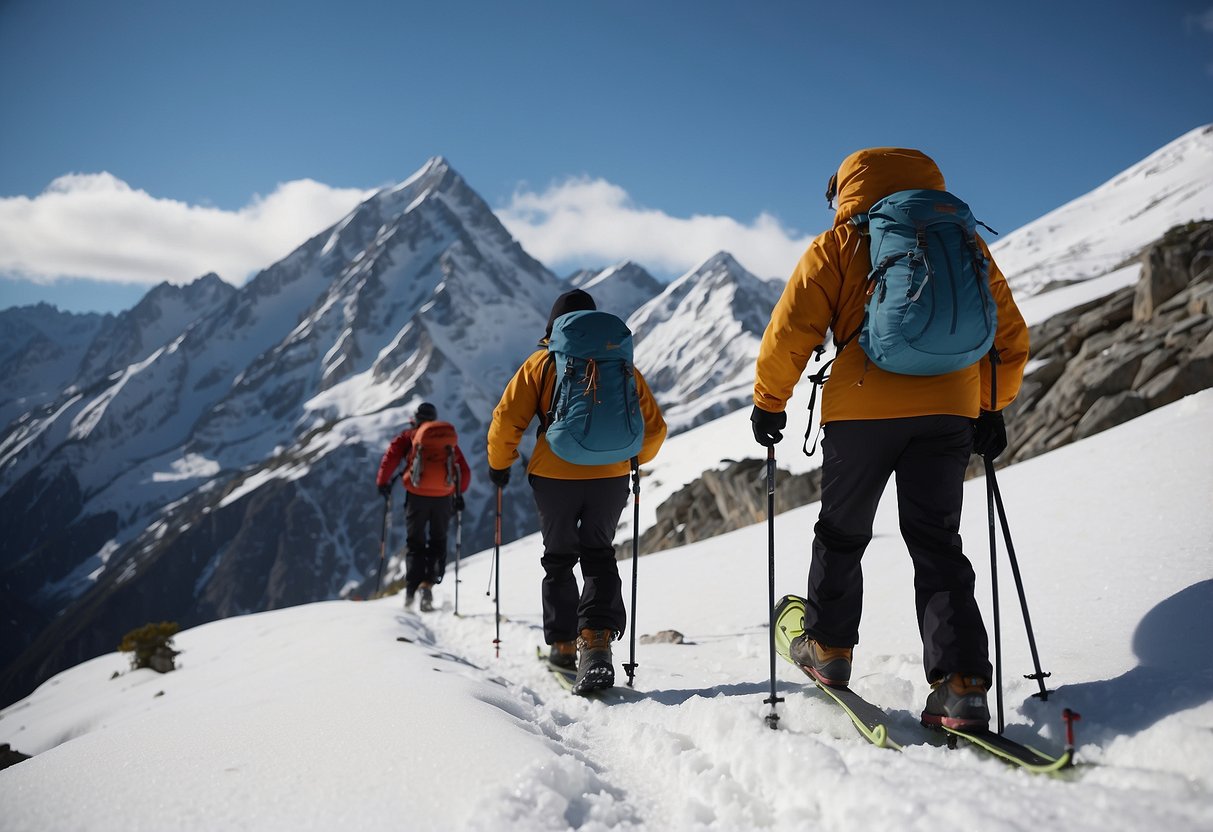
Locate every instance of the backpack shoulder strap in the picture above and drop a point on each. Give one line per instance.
(545, 413)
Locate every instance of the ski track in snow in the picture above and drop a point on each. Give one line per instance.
(688, 751)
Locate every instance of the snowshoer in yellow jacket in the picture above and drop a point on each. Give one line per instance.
(878, 424)
(579, 508)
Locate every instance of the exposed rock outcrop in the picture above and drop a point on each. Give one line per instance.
(722, 500)
(1111, 360)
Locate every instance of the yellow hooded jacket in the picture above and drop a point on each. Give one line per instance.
(828, 291)
(529, 391)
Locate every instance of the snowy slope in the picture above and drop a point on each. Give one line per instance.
(1099, 231)
(318, 716)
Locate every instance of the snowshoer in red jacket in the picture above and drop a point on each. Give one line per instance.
(433, 466)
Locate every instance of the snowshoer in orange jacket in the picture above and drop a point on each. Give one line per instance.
(579, 508)
(919, 429)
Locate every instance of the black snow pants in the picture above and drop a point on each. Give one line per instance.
(578, 520)
(427, 520)
(928, 456)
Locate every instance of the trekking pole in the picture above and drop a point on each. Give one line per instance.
(387, 510)
(1039, 675)
(630, 667)
(989, 463)
(772, 719)
(458, 539)
(994, 586)
(496, 561)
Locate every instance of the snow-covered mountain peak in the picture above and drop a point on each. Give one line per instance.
(717, 287)
(721, 262)
(698, 339)
(620, 289)
(1101, 230)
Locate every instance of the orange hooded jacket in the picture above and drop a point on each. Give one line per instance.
(521, 402)
(827, 292)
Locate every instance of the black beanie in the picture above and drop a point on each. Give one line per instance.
(573, 301)
(426, 412)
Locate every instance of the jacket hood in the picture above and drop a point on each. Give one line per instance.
(868, 175)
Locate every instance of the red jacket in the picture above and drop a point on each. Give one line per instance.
(399, 450)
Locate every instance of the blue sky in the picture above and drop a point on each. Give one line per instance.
(185, 137)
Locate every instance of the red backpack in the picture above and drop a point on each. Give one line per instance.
(430, 467)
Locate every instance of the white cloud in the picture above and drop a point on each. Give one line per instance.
(592, 222)
(97, 226)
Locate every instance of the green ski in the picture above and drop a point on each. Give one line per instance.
(872, 722)
(869, 720)
(1024, 756)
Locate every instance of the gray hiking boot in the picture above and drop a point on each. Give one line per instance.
(427, 599)
(958, 701)
(829, 665)
(563, 655)
(595, 669)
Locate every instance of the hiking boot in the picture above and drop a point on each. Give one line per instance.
(427, 599)
(409, 594)
(829, 665)
(563, 655)
(595, 669)
(958, 701)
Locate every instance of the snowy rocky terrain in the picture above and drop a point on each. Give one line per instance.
(193, 468)
(369, 716)
(1102, 230)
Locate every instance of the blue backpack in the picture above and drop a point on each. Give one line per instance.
(929, 308)
(594, 418)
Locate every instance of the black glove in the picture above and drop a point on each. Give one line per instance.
(989, 434)
(385, 489)
(500, 477)
(458, 502)
(768, 426)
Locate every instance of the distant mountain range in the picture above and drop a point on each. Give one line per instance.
(212, 451)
